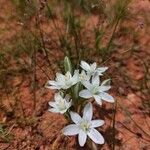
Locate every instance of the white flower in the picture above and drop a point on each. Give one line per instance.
(61, 105)
(83, 76)
(85, 126)
(91, 69)
(63, 81)
(96, 91)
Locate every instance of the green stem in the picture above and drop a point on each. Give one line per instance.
(112, 36)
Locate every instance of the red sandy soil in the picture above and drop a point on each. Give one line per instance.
(43, 132)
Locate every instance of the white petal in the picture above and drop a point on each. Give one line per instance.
(54, 110)
(95, 79)
(60, 77)
(85, 94)
(96, 136)
(75, 77)
(53, 87)
(72, 129)
(67, 97)
(75, 117)
(67, 86)
(52, 104)
(68, 75)
(57, 97)
(102, 69)
(85, 66)
(104, 88)
(97, 99)
(88, 112)
(97, 123)
(87, 84)
(106, 82)
(51, 82)
(68, 104)
(86, 77)
(94, 65)
(82, 138)
(63, 111)
(83, 73)
(107, 97)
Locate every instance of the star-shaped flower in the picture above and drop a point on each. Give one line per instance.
(96, 91)
(63, 81)
(91, 69)
(83, 76)
(61, 105)
(85, 126)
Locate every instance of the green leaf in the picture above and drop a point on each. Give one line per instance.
(68, 65)
(106, 82)
(76, 90)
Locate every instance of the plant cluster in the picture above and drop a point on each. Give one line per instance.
(77, 90)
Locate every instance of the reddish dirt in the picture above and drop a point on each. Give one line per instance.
(32, 127)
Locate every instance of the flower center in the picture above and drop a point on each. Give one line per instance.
(67, 77)
(81, 77)
(61, 104)
(95, 90)
(85, 125)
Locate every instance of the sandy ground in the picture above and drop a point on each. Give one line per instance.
(42, 131)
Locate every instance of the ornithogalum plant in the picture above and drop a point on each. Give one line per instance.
(76, 90)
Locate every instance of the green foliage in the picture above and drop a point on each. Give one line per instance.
(68, 65)
(121, 8)
(118, 11)
(26, 42)
(26, 9)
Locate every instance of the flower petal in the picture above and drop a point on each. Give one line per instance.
(107, 97)
(68, 75)
(68, 104)
(94, 65)
(97, 123)
(54, 110)
(97, 99)
(103, 88)
(63, 111)
(72, 129)
(57, 97)
(85, 94)
(95, 79)
(75, 117)
(82, 138)
(52, 104)
(96, 136)
(75, 77)
(60, 77)
(102, 69)
(52, 85)
(87, 84)
(85, 66)
(88, 112)
(85, 77)
(106, 82)
(51, 82)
